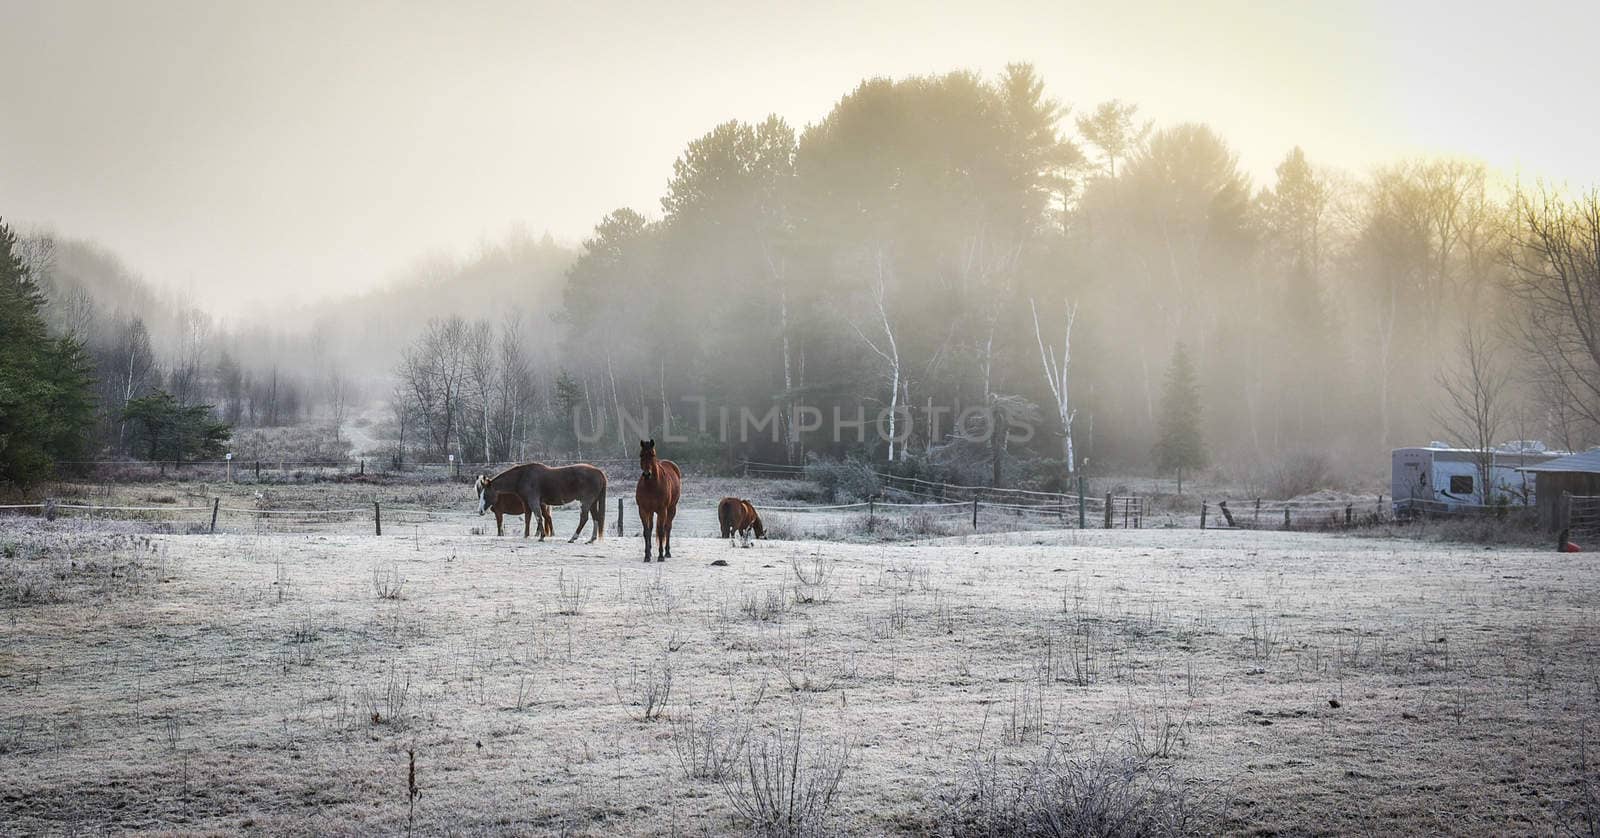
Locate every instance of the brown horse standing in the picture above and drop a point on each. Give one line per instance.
(507, 503)
(739, 516)
(538, 484)
(660, 484)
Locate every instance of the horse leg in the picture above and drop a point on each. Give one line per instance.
(527, 523)
(644, 527)
(546, 526)
(583, 520)
(662, 534)
(598, 515)
(499, 524)
(671, 512)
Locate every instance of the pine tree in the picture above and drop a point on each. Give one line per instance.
(1180, 446)
(46, 406)
(167, 430)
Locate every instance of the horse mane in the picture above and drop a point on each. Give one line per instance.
(508, 470)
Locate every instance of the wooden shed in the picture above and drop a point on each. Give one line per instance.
(1577, 475)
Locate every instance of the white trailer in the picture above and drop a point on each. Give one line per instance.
(1441, 478)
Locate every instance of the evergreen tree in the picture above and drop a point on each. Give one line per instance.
(166, 430)
(1180, 446)
(46, 407)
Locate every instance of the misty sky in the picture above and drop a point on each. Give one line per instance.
(248, 151)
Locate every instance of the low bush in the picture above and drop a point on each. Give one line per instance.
(1102, 793)
(843, 481)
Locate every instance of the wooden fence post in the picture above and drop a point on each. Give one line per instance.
(1202, 515)
(363, 468)
(377, 519)
(1109, 512)
(1349, 514)
(1081, 488)
(216, 504)
(974, 510)
(1286, 524)
(872, 511)
(258, 471)
(1257, 518)
(1223, 505)
(619, 508)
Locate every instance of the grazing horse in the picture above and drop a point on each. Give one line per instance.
(507, 503)
(739, 516)
(537, 485)
(660, 484)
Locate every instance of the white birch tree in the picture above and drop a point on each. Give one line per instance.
(1058, 375)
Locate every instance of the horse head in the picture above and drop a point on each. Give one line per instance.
(485, 498)
(647, 459)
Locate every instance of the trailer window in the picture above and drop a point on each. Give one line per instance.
(1460, 484)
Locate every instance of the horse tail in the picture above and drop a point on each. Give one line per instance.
(599, 511)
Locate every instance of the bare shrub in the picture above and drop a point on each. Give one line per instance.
(1579, 815)
(1155, 732)
(1102, 793)
(786, 787)
(387, 583)
(1025, 722)
(709, 748)
(765, 606)
(814, 580)
(1299, 473)
(806, 669)
(571, 595)
(650, 690)
(895, 621)
(303, 643)
(661, 598)
(390, 704)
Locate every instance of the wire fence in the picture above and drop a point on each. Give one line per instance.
(282, 470)
(979, 506)
(1068, 509)
(374, 516)
(1261, 513)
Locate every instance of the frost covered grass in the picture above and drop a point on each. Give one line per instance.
(1176, 681)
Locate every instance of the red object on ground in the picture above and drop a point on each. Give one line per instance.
(1569, 547)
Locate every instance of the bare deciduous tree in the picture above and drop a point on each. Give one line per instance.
(435, 372)
(338, 397)
(1556, 277)
(1058, 375)
(890, 349)
(1475, 410)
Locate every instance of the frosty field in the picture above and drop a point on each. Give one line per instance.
(1229, 682)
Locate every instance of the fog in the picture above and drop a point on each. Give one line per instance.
(1146, 237)
(315, 149)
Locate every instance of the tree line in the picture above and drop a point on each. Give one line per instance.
(1014, 288)
(942, 242)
